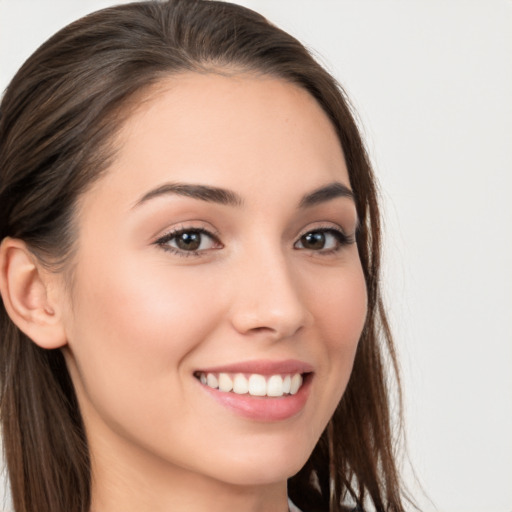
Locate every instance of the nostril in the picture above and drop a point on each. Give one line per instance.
(276, 332)
(261, 329)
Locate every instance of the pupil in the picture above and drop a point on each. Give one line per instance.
(314, 240)
(189, 241)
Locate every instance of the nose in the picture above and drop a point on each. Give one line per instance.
(268, 297)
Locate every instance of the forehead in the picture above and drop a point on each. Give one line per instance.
(242, 131)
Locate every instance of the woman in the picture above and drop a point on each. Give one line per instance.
(189, 273)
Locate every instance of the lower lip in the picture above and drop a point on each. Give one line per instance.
(264, 408)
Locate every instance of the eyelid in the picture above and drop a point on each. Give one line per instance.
(186, 225)
(326, 226)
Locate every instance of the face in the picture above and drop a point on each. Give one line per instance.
(218, 295)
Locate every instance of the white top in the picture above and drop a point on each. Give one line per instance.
(292, 507)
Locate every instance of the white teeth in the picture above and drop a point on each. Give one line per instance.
(296, 383)
(275, 386)
(255, 384)
(240, 384)
(212, 381)
(225, 382)
(287, 382)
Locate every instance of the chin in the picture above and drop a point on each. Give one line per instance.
(267, 474)
(261, 466)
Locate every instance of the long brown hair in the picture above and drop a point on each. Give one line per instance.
(58, 118)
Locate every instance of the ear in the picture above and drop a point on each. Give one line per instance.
(29, 295)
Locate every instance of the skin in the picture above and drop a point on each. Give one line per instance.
(141, 319)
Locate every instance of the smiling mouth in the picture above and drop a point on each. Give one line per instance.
(254, 384)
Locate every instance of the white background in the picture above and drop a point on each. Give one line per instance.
(432, 81)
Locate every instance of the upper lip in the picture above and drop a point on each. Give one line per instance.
(262, 367)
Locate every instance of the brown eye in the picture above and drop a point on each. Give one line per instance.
(189, 241)
(323, 240)
(314, 240)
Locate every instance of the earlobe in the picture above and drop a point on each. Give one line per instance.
(24, 285)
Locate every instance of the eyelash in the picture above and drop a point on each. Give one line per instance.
(342, 240)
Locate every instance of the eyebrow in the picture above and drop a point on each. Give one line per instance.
(202, 192)
(229, 198)
(326, 193)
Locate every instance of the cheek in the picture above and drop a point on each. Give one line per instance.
(341, 313)
(131, 329)
(340, 307)
(143, 305)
